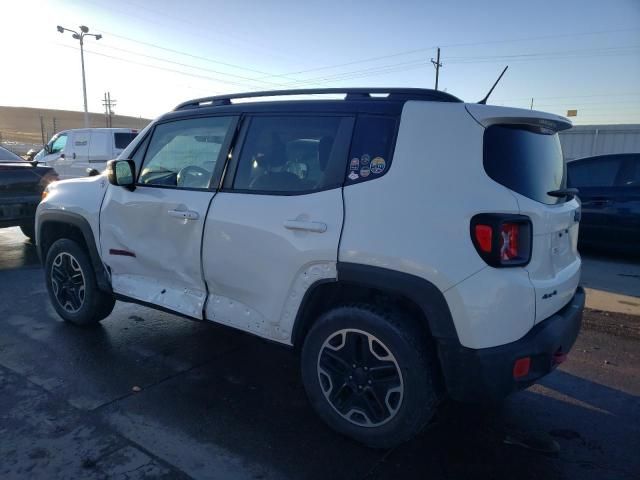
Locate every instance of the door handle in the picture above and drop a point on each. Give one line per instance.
(74, 155)
(317, 227)
(184, 214)
(598, 201)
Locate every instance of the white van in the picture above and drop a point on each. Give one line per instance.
(73, 152)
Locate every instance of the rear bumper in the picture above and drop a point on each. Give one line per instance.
(486, 374)
(16, 211)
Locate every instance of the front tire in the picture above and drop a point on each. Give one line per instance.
(369, 374)
(72, 287)
(28, 231)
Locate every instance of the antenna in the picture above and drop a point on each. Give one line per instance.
(484, 100)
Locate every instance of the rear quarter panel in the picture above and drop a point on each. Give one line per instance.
(416, 219)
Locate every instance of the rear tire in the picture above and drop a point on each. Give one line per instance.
(391, 393)
(72, 287)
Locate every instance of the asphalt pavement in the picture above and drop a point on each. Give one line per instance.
(152, 395)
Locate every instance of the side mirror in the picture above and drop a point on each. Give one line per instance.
(92, 172)
(122, 173)
(47, 149)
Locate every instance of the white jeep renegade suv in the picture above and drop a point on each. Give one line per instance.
(410, 246)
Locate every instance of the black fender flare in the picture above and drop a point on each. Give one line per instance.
(82, 224)
(420, 291)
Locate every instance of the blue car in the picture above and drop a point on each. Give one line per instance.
(609, 188)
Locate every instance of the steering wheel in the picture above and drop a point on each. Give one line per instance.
(193, 176)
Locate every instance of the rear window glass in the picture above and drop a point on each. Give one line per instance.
(599, 172)
(526, 160)
(122, 140)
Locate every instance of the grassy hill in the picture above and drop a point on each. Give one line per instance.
(20, 127)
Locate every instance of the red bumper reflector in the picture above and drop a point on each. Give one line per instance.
(521, 367)
(559, 358)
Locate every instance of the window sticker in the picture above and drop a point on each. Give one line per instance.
(365, 160)
(364, 172)
(354, 166)
(377, 165)
(353, 176)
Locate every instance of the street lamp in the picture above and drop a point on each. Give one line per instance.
(84, 32)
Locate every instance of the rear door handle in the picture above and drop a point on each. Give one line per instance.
(317, 227)
(184, 214)
(599, 201)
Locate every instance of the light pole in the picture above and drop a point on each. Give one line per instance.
(84, 32)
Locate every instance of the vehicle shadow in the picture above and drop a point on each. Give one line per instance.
(251, 402)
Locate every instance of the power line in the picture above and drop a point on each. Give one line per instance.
(366, 60)
(453, 45)
(218, 72)
(148, 65)
(382, 69)
(186, 54)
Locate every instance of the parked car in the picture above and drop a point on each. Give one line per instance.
(409, 246)
(609, 188)
(74, 153)
(21, 187)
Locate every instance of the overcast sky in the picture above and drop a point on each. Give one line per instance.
(574, 54)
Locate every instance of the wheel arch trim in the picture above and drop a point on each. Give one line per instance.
(77, 221)
(424, 294)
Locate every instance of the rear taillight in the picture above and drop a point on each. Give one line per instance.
(502, 240)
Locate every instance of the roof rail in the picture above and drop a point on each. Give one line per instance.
(351, 94)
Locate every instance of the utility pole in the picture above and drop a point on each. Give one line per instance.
(437, 64)
(55, 126)
(531, 107)
(84, 32)
(108, 110)
(42, 130)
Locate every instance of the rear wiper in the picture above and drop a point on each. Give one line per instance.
(564, 192)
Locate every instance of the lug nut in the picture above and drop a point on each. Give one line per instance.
(353, 366)
(369, 382)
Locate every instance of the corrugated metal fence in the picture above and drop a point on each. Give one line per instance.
(589, 140)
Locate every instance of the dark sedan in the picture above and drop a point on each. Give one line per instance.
(21, 186)
(609, 188)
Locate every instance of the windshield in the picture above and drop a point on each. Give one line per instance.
(526, 160)
(7, 156)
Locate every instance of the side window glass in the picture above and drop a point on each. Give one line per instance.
(122, 140)
(184, 153)
(293, 154)
(593, 173)
(630, 173)
(372, 148)
(59, 143)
